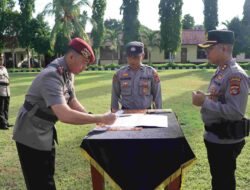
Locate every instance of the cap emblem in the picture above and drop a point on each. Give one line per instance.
(132, 49)
(85, 52)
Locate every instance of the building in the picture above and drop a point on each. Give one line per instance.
(189, 52)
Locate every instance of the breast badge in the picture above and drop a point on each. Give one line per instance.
(125, 85)
(125, 74)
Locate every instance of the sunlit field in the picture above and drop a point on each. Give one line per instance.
(93, 90)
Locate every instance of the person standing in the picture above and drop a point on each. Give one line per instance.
(51, 97)
(136, 86)
(4, 95)
(223, 109)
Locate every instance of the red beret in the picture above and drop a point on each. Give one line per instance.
(82, 47)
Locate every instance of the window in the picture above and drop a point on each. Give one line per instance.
(201, 53)
(166, 54)
(108, 54)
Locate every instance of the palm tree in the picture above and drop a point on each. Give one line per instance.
(151, 39)
(67, 18)
(111, 38)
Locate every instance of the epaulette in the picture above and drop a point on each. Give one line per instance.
(124, 67)
(60, 70)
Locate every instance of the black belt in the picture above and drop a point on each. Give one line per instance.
(230, 129)
(43, 115)
(124, 108)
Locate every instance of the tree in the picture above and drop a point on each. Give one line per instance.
(111, 38)
(41, 36)
(246, 13)
(246, 27)
(27, 7)
(67, 19)
(113, 24)
(150, 39)
(131, 24)
(170, 28)
(11, 32)
(236, 27)
(188, 22)
(98, 10)
(210, 14)
(83, 19)
(5, 6)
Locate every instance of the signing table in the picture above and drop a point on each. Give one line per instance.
(146, 159)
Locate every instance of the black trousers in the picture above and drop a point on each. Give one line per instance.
(4, 111)
(222, 161)
(38, 167)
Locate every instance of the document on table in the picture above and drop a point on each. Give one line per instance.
(129, 121)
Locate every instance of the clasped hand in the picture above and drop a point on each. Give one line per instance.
(198, 98)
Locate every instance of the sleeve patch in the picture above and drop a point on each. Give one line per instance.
(156, 77)
(234, 90)
(235, 85)
(235, 81)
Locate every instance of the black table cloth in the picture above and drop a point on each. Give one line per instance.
(139, 160)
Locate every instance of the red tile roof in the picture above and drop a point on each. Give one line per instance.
(190, 37)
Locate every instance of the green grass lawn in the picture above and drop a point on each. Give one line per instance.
(93, 90)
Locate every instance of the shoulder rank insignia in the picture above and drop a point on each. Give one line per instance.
(235, 85)
(224, 67)
(219, 76)
(60, 70)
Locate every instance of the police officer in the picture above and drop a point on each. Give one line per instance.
(136, 86)
(4, 95)
(51, 97)
(223, 109)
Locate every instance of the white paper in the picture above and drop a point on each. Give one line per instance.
(129, 121)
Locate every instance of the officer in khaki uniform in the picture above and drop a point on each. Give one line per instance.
(51, 97)
(4, 95)
(223, 109)
(136, 86)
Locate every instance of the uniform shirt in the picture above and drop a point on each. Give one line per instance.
(229, 89)
(136, 89)
(4, 82)
(51, 87)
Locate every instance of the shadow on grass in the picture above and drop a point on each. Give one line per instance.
(22, 78)
(19, 90)
(97, 77)
(93, 92)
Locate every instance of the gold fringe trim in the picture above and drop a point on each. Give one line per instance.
(177, 173)
(100, 170)
(171, 178)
